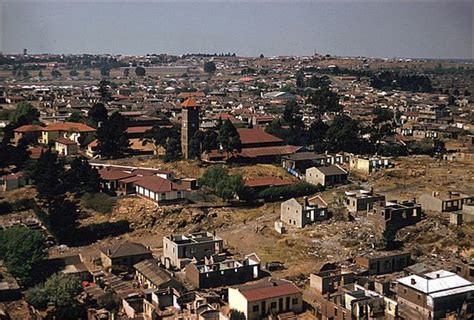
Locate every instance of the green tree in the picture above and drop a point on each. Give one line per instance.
(76, 116)
(319, 82)
(229, 138)
(300, 81)
(22, 249)
(126, 72)
(140, 71)
(55, 73)
(317, 133)
(209, 67)
(87, 73)
(237, 315)
(24, 113)
(81, 177)
(40, 74)
(382, 115)
(46, 175)
(112, 137)
(104, 90)
(172, 149)
(97, 114)
(203, 141)
(61, 292)
(325, 100)
(212, 176)
(73, 73)
(229, 187)
(105, 71)
(388, 237)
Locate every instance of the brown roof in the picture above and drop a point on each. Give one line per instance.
(267, 181)
(29, 128)
(268, 290)
(65, 141)
(69, 126)
(126, 249)
(158, 184)
(256, 135)
(113, 174)
(12, 176)
(190, 103)
(138, 129)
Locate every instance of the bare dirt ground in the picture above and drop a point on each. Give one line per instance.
(251, 229)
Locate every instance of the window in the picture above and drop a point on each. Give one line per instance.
(418, 296)
(335, 311)
(294, 301)
(255, 308)
(273, 305)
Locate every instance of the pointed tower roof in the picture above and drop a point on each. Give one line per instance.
(189, 103)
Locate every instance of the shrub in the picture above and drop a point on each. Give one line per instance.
(286, 192)
(5, 207)
(99, 202)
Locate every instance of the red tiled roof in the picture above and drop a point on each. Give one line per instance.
(35, 152)
(93, 144)
(190, 103)
(29, 128)
(157, 184)
(113, 174)
(268, 291)
(12, 176)
(138, 129)
(245, 79)
(256, 135)
(267, 181)
(69, 126)
(65, 141)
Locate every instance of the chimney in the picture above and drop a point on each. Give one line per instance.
(413, 281)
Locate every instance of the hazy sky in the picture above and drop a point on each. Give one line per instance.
(384, 29)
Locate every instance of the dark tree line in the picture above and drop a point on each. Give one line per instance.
(55, 184)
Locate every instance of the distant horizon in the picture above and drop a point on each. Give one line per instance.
(391, 30)
(211, 55)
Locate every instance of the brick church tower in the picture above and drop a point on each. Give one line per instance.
(189, 124)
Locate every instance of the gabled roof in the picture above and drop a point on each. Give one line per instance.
(113, 174)
(126, 249)
(69, 126)
(189, 103)
(150, 269)
(256, 135)
(268, 289)
(158, 184)
(29, 128)
(65, 141)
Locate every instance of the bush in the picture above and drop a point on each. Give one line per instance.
(5, 207)
(99, 202)
(16, 206)
(286, 192)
